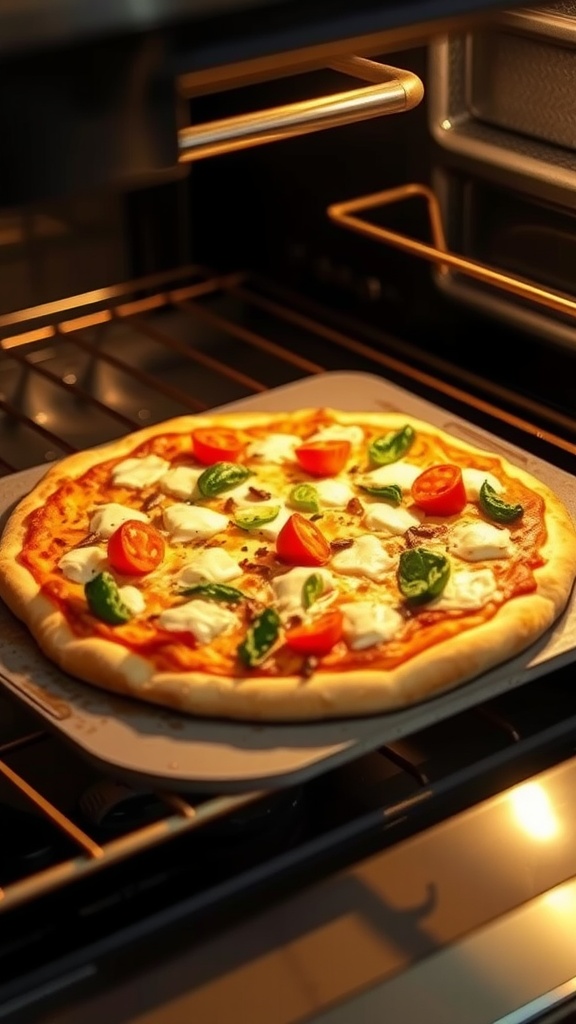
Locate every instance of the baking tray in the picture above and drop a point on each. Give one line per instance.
(149, 747)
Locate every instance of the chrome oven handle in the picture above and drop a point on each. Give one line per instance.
(394, 91)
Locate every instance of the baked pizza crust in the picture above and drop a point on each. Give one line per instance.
(516, 625)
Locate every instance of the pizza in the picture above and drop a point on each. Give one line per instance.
(299, 566)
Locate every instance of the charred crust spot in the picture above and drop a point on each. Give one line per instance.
(151, 501)
(309, 666)
(229, 506)
(341, 544)
(259, 494)
(355, 507)
(91, 538)
(427, 531)
(261, 552)
(256, 567)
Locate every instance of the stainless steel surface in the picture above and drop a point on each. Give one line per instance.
(471, 921)
(504, 99)
(147, 746)
(396, 91)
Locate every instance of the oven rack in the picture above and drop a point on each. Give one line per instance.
(438, 253)
(242, 315)
(61, 346)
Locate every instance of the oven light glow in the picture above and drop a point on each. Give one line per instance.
(534, 812)
(562, 899)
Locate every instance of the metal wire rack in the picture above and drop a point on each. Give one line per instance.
(89, 368)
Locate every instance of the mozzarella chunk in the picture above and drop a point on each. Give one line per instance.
(339, 432)
(393, 521)
(81, 564)
(475, 541)
(473, 480)
(204, 619)
(367, 623)
(213, 565)
(334, 493)
(468, 589)
(132, 598)
(274, 448)
(288, 586)
(271, 530)
(181, 481)
(193, 522)
(401, 473)
(107, 518)
(365, 557)
(139, 472)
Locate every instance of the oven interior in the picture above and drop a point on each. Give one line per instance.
(238, 282)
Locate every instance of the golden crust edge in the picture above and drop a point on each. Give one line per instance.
(515, 626)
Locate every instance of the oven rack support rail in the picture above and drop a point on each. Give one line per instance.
(181, 816)
(393, 91)
(345, 214)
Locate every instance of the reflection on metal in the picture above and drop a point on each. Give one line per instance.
(394, 91)
(533, 811)
(345, 215)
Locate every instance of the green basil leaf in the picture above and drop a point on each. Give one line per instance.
(215, 592)
(261, 636)
(104, 601)
(312, 589)
(495, 508)
(253, 519)
(422, 574)
(391, 446)
(304, 497)
(391, 493)
(220, 477)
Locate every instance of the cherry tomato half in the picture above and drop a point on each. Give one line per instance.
(211, 445)
(440, 491)
(135, 548)
(317, 637)
(300, 542)
(323, 458)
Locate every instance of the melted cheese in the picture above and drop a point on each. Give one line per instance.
(473, 480)
(367, 623)
(401, 473)
(204, 619)
(139, 472)
(334, 493)
(132, 598)
(274, 448)
(271, 530)
(384, 518)
(468, 589)
(81, 564)
(288, 586)
(475, 541)
(107, 518)
(193, 522)
(365, 557)
(181, 481)
(214, 565)
(339, 432)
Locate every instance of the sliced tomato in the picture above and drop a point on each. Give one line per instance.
(135, 548)
(211, 444)
(316, 637)
(300, 542)
(323, 458)
(440, 491)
